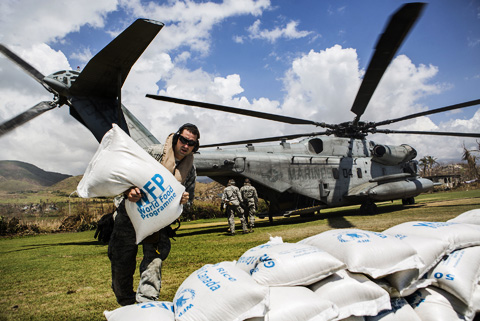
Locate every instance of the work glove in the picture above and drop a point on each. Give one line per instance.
(104, 228)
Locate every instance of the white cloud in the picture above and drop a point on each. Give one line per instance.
(189, 24)
(288, 32)
(28, 21)
(321, 85)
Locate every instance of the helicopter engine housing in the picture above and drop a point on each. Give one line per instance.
(393, 155)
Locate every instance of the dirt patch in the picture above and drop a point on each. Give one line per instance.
(464, 201)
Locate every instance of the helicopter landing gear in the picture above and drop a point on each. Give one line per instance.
(368, 208)
(408, 201)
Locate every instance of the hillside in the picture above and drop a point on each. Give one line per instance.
(18, 176)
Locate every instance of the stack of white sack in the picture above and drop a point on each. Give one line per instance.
(121, 163)
(150, 311)
(371, 253)
(297, 303)
(344, 274)
(469, 217)
(299, 274)
(276, 263)
(448, 288)
(220, 292)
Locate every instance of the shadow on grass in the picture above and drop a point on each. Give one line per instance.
(335, 220)
(40, 246)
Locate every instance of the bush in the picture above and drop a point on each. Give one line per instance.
(13, 226)
(201, 210)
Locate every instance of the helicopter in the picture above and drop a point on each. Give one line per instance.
(317, 172)
(321, 171)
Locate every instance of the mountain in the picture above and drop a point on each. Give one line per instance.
(20, 176)
(16, 176)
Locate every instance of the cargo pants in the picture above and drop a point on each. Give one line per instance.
(231, 211)
(122, 252)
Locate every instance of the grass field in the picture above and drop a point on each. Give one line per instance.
(67, 276)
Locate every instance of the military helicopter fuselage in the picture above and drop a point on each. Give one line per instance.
(319, 172)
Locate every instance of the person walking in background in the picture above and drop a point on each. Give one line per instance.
(232, 199)
(250, 201)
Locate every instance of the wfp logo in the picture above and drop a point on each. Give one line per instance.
(182, 304)
(357, 237)
(433, 225)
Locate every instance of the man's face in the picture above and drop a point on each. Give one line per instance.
(182, 148)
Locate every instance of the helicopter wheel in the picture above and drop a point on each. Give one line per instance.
(368, 208)
(270, 218)
(408, 201)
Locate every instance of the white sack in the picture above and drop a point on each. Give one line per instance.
(459, 235)
(149, 311)
(297, 303)
(434, 304)
(371, 253)
(458, 273)
(400, 311)
(220, 292)
(476, 298)
(121, 163)
(280, 264)
(354, 294)
(431, 251)
(469, 217)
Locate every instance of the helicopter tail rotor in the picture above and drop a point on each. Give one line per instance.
(29, 69)
(39, 108)
(26, 116)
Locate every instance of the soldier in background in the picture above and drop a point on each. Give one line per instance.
(232, 198)
(250, 201)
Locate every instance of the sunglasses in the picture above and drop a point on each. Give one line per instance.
(189, 142)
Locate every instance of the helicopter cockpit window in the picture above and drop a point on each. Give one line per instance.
(315, 145)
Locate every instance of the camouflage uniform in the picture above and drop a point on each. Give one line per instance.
(250, 201)
(232, 199)
(122, 250)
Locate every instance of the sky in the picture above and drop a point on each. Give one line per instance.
(304, 59)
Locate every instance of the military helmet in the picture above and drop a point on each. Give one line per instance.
(231, 182)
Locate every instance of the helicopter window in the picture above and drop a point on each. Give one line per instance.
(315, 145)
(359, 173)
(335, 173)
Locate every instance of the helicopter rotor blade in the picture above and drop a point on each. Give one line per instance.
(267, 139)
(429, 112)
(29, 69)
(26, 116)
(252, 113)
(455, 134)
(397, 29)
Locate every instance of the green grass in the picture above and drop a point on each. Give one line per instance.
(67, 276)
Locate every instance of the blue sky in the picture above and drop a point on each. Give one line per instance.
(297, 58)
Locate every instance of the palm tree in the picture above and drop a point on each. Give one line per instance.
(427, 162)
(423, 162)
(468, 155)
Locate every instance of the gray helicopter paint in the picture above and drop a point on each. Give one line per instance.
(331, 176)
